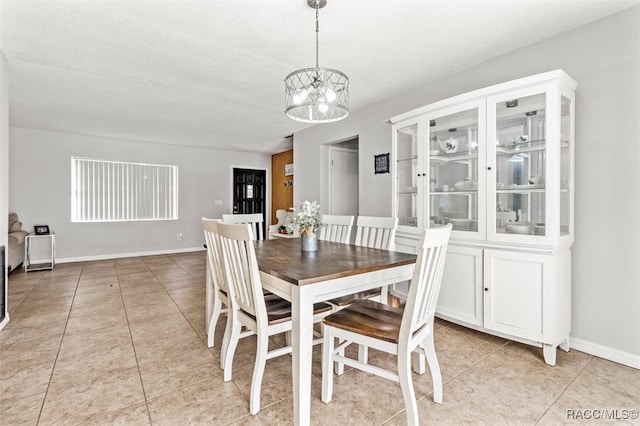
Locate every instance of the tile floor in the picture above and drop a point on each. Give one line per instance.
(123, 342)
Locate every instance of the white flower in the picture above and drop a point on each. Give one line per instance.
(307, 218)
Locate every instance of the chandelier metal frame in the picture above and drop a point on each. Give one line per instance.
(317, 95)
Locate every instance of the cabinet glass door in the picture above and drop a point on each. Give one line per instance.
(455, 177)
(520, 149)
(406, 141)
(566, 139)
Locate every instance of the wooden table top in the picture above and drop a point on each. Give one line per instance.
(284, 259)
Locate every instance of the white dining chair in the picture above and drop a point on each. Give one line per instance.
(396, 331)
(376, 232)
(217, 292)
(336, 228)
(372, 232)
(256, 220)
(265, 316)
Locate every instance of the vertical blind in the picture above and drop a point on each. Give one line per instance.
(112, 191)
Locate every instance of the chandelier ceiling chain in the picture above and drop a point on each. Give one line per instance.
(317, 32)
(317, 95)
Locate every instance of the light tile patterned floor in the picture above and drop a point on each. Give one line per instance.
(123, 342)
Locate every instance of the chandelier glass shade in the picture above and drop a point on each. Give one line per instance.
(316, 95)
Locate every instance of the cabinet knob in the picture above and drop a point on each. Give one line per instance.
(486, 289)
(489, 168)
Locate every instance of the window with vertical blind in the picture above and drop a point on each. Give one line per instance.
(116, 191)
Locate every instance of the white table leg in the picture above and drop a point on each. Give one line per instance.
(302, 344)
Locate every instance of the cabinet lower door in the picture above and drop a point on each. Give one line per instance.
(461, 292)
(513, 292)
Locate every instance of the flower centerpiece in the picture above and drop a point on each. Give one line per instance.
(308, 220)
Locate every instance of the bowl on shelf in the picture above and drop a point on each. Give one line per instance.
(536, 180)
(449, 145)
(466, 185)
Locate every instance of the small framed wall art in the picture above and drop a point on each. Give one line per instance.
(381, 163)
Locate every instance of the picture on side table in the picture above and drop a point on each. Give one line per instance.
(41, 229)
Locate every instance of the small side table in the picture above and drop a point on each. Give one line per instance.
(40, 241)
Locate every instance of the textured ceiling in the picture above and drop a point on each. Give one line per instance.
(210, 73)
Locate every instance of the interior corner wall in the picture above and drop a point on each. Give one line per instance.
(603, 56)
(4, 148)
(40, 191)
(4, 166)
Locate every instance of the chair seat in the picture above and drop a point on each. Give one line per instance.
(350, 298)
(279, 310)
(368, 318)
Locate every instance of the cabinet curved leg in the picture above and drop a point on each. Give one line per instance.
(549, 352)
(565, 345)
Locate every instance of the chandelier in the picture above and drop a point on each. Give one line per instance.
(316, 95)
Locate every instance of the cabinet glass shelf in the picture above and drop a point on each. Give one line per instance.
(520, 191)
(457, 156)
(455, 192)
(404, 160)
(524, 147)
(520, 147)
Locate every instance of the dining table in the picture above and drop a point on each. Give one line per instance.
(305, 278)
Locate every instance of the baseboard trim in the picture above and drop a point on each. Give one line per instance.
(606, 352)
(121, 255)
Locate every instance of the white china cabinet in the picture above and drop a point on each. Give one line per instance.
(497, 163)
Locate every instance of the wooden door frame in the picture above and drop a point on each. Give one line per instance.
(267, 195)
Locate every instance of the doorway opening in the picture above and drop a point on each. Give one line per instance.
(343, 177)
(250, 192)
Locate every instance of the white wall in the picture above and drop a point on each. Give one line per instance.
(4, 158)
(4, 148)
(603, 57)
(40, 191)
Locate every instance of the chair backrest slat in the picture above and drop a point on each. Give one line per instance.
(336, 228)
(427, 279)
(254, 219)
(376, 232)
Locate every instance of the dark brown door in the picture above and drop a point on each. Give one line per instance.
(249, 192)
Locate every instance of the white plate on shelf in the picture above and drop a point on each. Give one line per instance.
(539, 230)
(518, 229)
